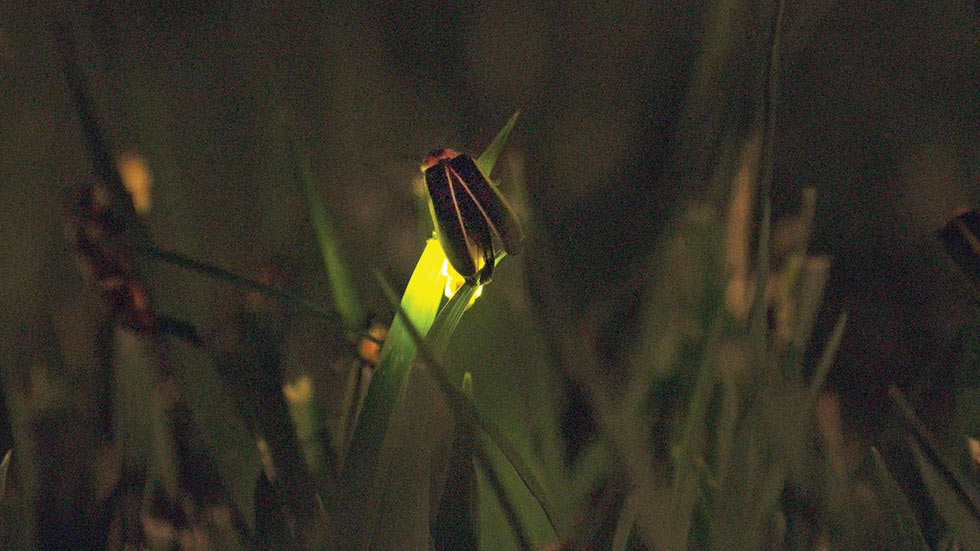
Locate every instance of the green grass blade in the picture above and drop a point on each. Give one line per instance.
(465, 411)
(448, 318)
(342, 288)
(416, 314)
(510, 511)
(688, 476)
(418, 307)
(687, 479)
(592, 466)
(726, 425)
(456, 524)
(479, 455)
(488, 158)
(141, 427)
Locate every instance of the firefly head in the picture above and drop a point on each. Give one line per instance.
(437, 155)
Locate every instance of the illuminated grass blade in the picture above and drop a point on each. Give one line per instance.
(342, 287)
(419, 305)
(416, 313)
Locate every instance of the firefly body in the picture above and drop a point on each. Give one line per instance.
(469, 214)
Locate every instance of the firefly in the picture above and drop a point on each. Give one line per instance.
(469, 213)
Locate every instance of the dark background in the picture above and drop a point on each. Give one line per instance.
(624, 107)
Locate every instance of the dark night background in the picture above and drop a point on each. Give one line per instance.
(624, 107)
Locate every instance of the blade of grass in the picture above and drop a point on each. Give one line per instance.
(416, 313)
(448, 318)
(99, 152)
(78, 86)
(624, 524)
(456, 523)
(727, 425)
(961, 485)
(141, 430)
(4, 467)
(465, 411)
(896, 509)
(809, 297)
(342, 288)
(758, 318)
(769, 103)
(957, 516)
(488, 158)
(687, 477)
(592, 466)
(418, 308)
(510, 512)
(827, 357)
(204, 268)
(450, 314)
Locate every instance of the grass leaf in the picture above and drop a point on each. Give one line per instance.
(465, 411)
(964, 488)
(456, 525)
(342, 288)
(624, 524)
(959, 518)
(488, 158)
(903, 527)
(492, 479)
(4, 467)
(418, 307)
(827, 356)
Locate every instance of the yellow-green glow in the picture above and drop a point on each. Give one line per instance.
(454, 281)
(418, 295)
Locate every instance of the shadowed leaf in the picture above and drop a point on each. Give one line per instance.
(342, 288)
(488, 158)
(903, 527)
